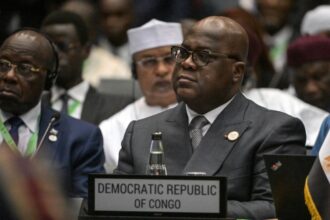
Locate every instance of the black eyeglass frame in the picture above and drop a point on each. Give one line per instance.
(195, 55)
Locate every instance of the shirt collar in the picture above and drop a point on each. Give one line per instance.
(211, 115)
(30, 118)
(144, 101)
(142, 109)
(78, 92)
(281, 36)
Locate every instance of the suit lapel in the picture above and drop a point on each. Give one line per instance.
(48, 147)
(178, 149)
(216, 145)
(89, 105)
(45, 98)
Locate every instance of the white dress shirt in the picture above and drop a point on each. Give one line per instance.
(76, 93)
(31, 125)
(210, 116)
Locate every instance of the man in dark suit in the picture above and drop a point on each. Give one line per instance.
(29, 64)
(236, 132)
(71, 93)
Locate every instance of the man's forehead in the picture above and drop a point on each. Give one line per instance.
(203, 38)
(28, 38)
(211, 29)
(315, 65)
(27, 43)
(218, 26)
(211, 23)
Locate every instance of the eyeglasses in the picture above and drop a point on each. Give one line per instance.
(24, 69)
(65, 47)
(152, 62)
(200, 57)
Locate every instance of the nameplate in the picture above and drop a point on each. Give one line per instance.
(157, 195)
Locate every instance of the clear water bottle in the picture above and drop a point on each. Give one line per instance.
(156, 165)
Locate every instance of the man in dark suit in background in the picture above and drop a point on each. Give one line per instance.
(72, 94)
(235, 132)
(28, 63)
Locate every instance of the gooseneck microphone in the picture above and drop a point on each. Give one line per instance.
(53, 119)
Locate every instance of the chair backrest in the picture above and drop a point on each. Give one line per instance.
(123, 87)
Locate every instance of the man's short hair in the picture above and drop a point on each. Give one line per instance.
(66, 17)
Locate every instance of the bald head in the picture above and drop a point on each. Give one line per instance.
(23, 83)
(230, 36)
(40, 46)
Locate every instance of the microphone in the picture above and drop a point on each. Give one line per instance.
(53, 119)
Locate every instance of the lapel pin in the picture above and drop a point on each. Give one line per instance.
(52, 138)
(53, 131)
(53, 135)
(232, 136)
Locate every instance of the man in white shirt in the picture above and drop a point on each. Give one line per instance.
(309, 60)
(276, 19)
(150, 47)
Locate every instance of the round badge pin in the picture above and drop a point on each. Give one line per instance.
(53, 131)
(52, 138)
(233, 135)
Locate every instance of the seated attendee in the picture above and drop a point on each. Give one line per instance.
(150, 47)
(72, 94)
(276, 18)
(271, 98)
(28, 65)
(215, 129)
(309, 58)
(100, 64)
(325, 127)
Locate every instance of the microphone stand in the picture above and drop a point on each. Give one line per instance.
(54, 118)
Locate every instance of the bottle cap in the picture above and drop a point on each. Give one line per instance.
(156, 135)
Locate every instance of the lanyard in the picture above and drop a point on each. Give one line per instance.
(73, 107)
(32, 143)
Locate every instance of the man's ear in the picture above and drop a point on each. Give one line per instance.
(238, 71)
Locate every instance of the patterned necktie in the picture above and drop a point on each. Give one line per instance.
(65, 99)
(15, 123)
(195, 130)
